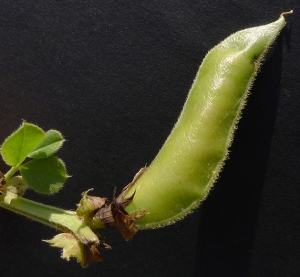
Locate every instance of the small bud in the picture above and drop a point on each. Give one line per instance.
(17, 185)
(90, 204)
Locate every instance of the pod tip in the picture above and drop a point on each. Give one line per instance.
(286, 13)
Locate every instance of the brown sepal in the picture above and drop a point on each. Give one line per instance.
(115, 214)
(97, 202)
(91, 255)
(124, 221)
(106, 216)
(121, 198)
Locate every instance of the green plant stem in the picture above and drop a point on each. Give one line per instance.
(11, 172)
(66, 221)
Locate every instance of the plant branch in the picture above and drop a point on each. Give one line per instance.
(66, 221)
(11, 172)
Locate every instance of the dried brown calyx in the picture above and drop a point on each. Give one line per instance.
(92, 254)
(94, 210)
(115, 214)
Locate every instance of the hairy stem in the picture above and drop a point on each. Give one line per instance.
(11, 172)
(66, 221)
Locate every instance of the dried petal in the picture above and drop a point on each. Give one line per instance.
(72, 247)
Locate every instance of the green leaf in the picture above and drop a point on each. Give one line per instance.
(45, 175)
(17, 146)
(52, 142)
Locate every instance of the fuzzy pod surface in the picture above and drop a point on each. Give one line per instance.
(190, 160)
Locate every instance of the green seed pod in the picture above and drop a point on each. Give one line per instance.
(189, 162)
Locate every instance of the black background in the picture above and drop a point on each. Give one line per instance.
(112, 76)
